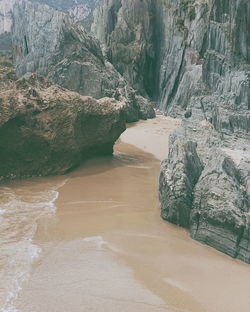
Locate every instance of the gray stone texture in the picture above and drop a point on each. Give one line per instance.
(210, 82)
(48, 42)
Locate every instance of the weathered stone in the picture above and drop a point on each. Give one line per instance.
(45, 129)
(215, 204)
(211, 82)
(80, 10)
(125, 29)
(220, 213)
(49, 43)
(200, 55)
(179, 175)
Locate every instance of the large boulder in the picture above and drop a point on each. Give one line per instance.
(179, 175)
(45, 129)
(204, 185)
(220, 213)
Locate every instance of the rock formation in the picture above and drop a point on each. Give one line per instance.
(6, 7)
(193, 58)
(126, 30)
(80, 10)
(195, 55)
(49, 43)
(204, 184)
(45, 129)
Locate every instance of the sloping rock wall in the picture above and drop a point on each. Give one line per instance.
(49, 43)
(126, 30)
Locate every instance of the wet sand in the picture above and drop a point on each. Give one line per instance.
(106, 248)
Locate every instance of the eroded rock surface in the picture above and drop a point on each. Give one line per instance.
(49, 43)
(193, 58)
(79, 10)
(204, 186)
(200, 51)
(45, 129)
(6, 7)
(126, 30)
(213, 90)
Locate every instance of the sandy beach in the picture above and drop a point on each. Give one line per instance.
(105, 248)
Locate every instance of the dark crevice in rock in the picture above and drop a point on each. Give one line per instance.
(26, 49)
(112, 16)
(178, 79)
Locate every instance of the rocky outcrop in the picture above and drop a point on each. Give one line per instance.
(126, 30)
(5, 45)
(49, 43)
(213, 89)
(79, 10)
(193, 58)
(200, 54)
(45, 129)
(6, 7)
(179, 175)
(160, 46)
(204, 186)
(149, 42)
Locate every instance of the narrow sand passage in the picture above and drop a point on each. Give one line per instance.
(107, 249)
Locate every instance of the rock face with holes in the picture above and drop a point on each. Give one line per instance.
(49, 43)
(45, 129)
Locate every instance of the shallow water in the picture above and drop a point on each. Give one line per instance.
(94, 241)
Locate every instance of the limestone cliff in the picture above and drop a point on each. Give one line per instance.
(80, 10)
(48, 42)
(45, 129)
(6, 7)
(204, 184)
(126, 30)
(163, 47)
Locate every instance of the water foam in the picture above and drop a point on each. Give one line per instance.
(96, 240)
(20, 209)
